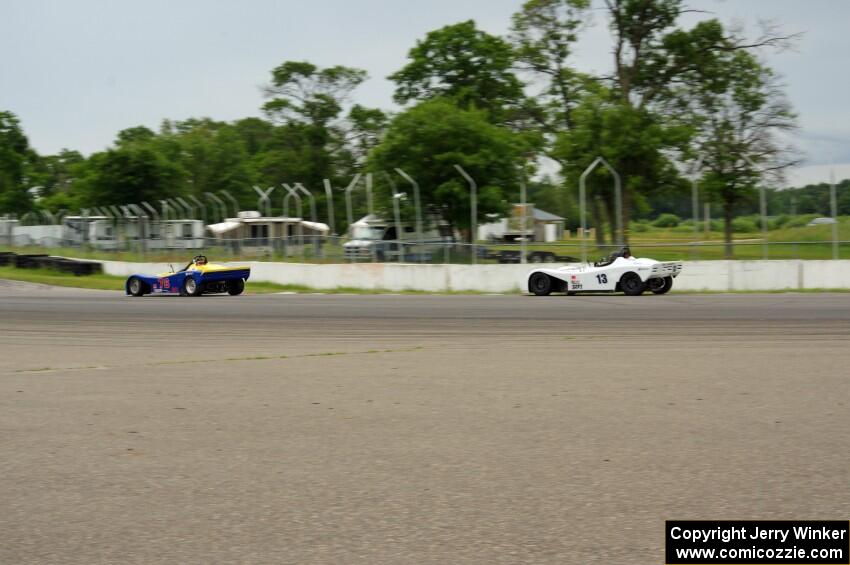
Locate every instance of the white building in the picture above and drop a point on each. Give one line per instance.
(250, 229)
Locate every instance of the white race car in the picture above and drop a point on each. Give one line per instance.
(618, 273)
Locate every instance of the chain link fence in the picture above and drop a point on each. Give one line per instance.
(334, 249)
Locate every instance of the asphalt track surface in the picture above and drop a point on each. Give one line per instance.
(411, 429)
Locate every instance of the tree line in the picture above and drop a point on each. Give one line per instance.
(498, 106)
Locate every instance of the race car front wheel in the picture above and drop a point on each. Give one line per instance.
(660, 286)
(540, 284)
(191, 288)
(632, 285)
(136, 287)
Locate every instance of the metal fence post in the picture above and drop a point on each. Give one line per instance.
(398, 231)
(201, 207)
(348, 211)
(84, 226)
(417, 205)
(794, 253)
(695, 201)
(222, 208)
(188, 207)
(833, 204)
(762, 209)
(522, 243)
(174, 205)
(618, 203)
(313, 216)
(370, 210)
(294, 194)
(143, 226)
(232, 201)
(473, 216)
(329, 196)
(264, 198)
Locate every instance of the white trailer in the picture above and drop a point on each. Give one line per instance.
(121, 233)
(7, 226)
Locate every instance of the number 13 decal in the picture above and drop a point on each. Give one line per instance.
(603, 279)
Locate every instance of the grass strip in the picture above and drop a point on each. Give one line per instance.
(110, 282)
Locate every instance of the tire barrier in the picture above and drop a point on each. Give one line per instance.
(61, 264)
(78, 268)
(27, 261)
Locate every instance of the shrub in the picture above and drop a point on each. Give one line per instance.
(744, 224)
(799, 221)
(779, 221)
(667, 221)
(639, 227)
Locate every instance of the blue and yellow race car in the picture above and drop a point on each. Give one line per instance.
(197, 278)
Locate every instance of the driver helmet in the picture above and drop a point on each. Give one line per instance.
(200, 260)
(626, 252)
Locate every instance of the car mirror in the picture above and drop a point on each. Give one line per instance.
(171, 267)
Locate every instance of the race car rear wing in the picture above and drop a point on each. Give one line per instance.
(666, 269)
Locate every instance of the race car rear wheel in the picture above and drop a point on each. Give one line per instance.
(540, 284)
(137, 288)
(191, 288)
(632, 285)
(235, 288)
(660, 286)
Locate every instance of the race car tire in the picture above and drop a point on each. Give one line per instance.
(632, 285)
(191, 288)
(136, 287)
(235, 288)
(540, 284)
(660, 286)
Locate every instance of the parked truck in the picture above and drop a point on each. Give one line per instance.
(373, 238)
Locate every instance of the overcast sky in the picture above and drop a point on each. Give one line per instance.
(77, 72)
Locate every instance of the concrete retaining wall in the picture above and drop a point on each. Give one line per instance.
(696, 275)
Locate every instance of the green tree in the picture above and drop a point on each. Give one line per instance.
(464, 64)
(810, 199)
(15, 158)
(212, 156)
(301, 91)
(430, 138)
(738, 111)
(631, 140)
(131, 173)
(365, 128)
(255, 133)
(543, 33)
(307, 101)
(56, 173)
